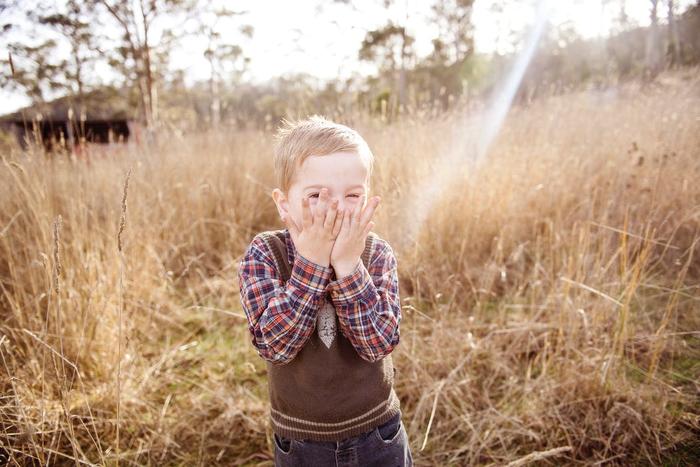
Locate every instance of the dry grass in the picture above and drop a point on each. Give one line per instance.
(550, 305)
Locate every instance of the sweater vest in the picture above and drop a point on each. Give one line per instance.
(328, 393)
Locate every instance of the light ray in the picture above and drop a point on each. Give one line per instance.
(472, 138)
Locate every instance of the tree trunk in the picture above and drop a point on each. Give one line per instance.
(674, 44)
(136, 51)
(402, 73)
(147, 71)
(214, 101)
(653, 52)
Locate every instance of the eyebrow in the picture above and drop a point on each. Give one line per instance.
(321, 186)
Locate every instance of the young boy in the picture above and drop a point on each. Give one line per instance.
(322, 301)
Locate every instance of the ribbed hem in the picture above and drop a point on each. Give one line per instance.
(297, 428)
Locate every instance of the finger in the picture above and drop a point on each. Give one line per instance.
(367, 229)
(347, 216)
(331, 215)
(307, 219)
(358, 209)
(338, 222)
(370, 210)
(321, 207)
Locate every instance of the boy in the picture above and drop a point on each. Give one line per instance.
(322, 301)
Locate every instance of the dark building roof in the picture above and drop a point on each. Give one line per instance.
(99, 105)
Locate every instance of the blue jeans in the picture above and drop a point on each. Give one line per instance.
(385, 446)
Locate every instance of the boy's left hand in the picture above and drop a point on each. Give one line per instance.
(350, 243)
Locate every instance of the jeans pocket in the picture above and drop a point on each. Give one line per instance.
(282, 444)
(389, 432)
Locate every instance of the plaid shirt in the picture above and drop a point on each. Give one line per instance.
(282, 317)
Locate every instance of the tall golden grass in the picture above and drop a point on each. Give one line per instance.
(550, 304)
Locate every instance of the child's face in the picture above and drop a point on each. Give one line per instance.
(344, 174)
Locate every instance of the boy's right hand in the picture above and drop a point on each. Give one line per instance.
(315, 238)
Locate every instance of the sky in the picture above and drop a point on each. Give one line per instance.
(322, 38)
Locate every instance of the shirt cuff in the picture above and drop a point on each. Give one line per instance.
(309, 276)
(350, 287)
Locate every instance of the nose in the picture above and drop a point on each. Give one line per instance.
(348, 204)
(345, 203)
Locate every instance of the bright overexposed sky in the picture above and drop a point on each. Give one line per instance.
(322, 38)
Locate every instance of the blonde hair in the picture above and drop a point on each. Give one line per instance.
(313, 136)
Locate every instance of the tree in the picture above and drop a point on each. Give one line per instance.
(137, 52)
(451, 61)
(389, 47)
(32, 69)
(653, 47)
(76, 25)
(455, 41)
(224, 59)
(621, 21)
(674, 43)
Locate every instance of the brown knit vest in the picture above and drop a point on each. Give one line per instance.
(328, 394)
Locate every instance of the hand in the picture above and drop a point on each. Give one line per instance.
(350, 243)
(314, 239)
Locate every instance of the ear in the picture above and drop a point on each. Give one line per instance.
(280, 201)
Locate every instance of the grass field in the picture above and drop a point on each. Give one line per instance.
(550, 304)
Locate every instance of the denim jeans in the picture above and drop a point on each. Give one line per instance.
(385, 446)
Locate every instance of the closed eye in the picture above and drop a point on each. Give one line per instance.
(315, 195)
